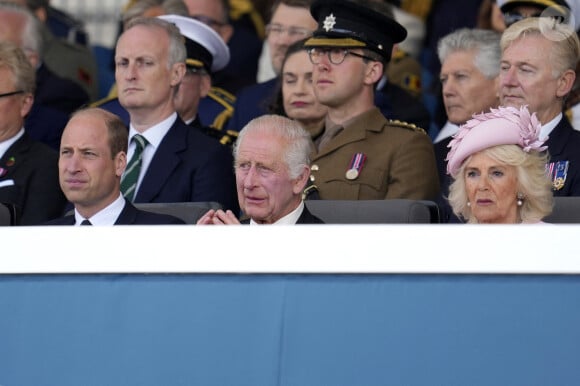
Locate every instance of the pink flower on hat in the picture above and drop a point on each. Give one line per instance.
(501, 126)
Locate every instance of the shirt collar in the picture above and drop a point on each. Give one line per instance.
(446, 131)
(290, 219)
(154, 135)
(548, 127)
(106, 216)
(4, 146)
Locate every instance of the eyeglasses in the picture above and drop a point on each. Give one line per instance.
(208, 20)
(7, 94)
(335, 55)
(510, 18)
(294, 32)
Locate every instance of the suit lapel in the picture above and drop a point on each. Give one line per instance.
(558, 138)
(17, 152)
(128, 215)
(165, 160)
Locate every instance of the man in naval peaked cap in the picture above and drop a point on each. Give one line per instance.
(361, 155)
(206, 53)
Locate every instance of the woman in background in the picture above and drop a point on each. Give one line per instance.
(295, 96)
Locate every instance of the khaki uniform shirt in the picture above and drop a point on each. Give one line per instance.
(400, 162)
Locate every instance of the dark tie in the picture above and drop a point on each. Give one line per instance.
(86, 222)
(129, 183)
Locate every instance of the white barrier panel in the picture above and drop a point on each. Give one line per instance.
(525, 249)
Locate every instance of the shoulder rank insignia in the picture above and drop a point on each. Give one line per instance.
(558, 172)
(225, 137)
(223, 97)
(226, 100)
(406, 125)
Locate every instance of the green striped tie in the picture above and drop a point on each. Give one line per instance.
(131, 175)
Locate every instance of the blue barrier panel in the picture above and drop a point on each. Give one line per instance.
(289, 330)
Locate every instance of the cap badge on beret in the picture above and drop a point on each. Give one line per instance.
(354, 24)
(329, 22)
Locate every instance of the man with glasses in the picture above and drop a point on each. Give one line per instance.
(28, 169)
(291, 21)
(361, 155)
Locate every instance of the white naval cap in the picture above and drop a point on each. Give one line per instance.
(205, 48)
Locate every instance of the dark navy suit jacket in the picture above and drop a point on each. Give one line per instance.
(33, 167)
(130, 215)
(46, 124)
(189, 166)
(306, 217)
(58, 93)
(564, 145)
(397, 103)
(252, 102)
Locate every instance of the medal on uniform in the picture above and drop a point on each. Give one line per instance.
(356, 164)
(558, 172)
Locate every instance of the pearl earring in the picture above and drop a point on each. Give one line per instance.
(520, 198)
(468, 203)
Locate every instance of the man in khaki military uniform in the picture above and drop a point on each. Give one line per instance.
(361, 155)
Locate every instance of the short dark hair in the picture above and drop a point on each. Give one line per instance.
(116, 129)
(290, 3)
(276, 103)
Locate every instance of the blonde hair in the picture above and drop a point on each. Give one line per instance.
(565, 45)
(532, 180)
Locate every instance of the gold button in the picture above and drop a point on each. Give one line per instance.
(314, 168)
(312, 178)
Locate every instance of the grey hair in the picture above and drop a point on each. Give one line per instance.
(31, 37)
(298, 147)
(177, 51)
(532, 179)
(485, 42)
(13, 58)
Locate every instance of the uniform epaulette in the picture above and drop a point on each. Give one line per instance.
(113, 94)
(223, 97)
(240, 8)
(226, 100)
(102, 101)
(399, 54)
(221, 120)
(225, 137)
(406, 125)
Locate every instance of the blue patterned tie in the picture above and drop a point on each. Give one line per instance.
(129, 182)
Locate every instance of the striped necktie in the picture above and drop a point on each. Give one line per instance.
(129, 183)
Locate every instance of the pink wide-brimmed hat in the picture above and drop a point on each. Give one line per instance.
(501, 126)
